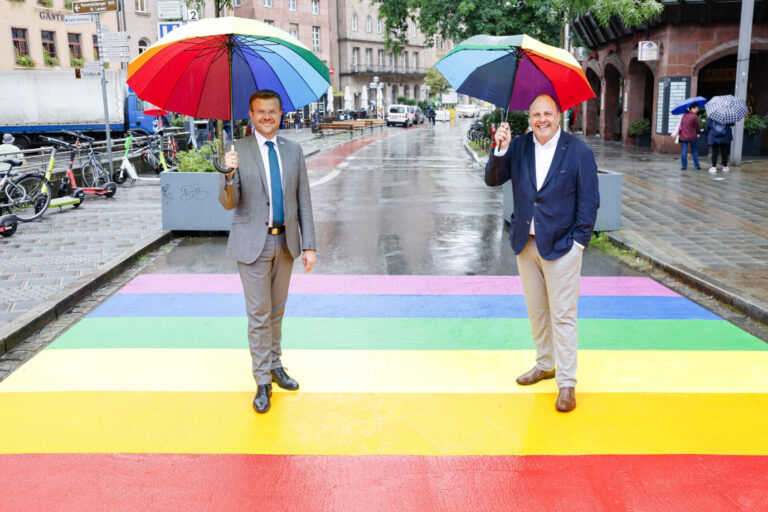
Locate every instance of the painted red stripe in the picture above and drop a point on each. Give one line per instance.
(82, 482)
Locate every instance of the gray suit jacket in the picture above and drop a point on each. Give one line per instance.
(249, 197)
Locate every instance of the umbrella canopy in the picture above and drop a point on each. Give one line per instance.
(510, 71)
(348, 99)
(727, 109)
(684, 105)
(155, 112)
(210, 68)
(364, 97)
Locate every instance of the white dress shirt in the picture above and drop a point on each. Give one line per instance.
(543, 156)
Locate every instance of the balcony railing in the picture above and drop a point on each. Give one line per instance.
(363, 69)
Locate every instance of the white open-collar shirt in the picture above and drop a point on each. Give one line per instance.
(264, 149)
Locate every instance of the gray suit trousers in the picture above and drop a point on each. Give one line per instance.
(265, 283)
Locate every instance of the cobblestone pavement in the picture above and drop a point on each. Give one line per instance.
(711, 227)
(46, 266)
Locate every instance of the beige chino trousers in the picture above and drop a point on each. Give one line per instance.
(551, 291)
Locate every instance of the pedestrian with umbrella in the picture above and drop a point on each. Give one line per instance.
(722, 113)
(688, 132)
(210, 69)
(554, 183)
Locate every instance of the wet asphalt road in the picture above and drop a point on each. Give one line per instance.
(411, 203)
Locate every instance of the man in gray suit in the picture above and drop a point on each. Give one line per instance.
(269, 190)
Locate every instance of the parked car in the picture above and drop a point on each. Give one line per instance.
(398, 114)
(359, 114)
(417, 115)
(467, 111)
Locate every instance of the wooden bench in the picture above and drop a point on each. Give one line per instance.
(324, 128)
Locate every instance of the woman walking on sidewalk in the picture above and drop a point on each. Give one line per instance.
(689, 132)
(719, 138)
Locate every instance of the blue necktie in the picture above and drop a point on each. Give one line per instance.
(278, 215)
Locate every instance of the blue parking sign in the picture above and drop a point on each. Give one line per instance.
(164, 27)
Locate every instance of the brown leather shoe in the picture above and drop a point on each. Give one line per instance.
(534, 376)
(566, 400)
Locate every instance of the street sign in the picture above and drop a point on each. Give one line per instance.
(192, 15)
(79, 19)
(164, 28)
(90, 73)
(94, 6)
(169, 9)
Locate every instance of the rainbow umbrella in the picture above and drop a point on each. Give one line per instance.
(510, 71)
(209, 69)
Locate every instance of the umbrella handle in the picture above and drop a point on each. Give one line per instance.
(215, 162)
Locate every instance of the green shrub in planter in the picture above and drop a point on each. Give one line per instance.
(641, 126)
(517, 119)
(197, 160)
(23, 60)
(51, 61)
(754, 123)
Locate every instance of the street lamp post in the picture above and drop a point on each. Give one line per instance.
(375, 86)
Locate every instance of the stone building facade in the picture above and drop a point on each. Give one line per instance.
(699, 43)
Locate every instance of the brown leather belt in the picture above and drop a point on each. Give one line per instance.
(276, 231)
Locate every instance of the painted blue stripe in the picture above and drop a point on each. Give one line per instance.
(398, 306)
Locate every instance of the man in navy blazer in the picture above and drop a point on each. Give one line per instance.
(554, 185)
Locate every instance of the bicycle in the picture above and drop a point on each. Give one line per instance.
(93, 172)
(24, 196)
(154, 153)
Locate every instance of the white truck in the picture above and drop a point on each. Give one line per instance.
(45, 102)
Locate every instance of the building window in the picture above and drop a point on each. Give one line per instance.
(405, 90)
(143, 45)
(368, 59)
(413, 29)
(141, 5)
(380, 60)
(442, 44)
(391, 62)
(415, 60)
(75, 47)
(291, 5)
(20, 44)
(394, 94)
(415, 92)
(405, 62)
(271, 23)
(316, 39)
(368, 24)
(49, 45)
(267, 3)
(354, 21)
(294, 30)
(355, 58)
(236, 3)
(315, 6)
(96, 48)
(379, 25)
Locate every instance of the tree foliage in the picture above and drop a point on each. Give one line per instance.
(460, 19)
(541, 19)
(436, 82)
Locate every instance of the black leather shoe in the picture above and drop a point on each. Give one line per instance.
(283, 380)
(261, 402)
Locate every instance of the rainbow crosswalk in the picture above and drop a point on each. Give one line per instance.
(407, 402)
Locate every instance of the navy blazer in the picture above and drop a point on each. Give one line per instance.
(565, 208)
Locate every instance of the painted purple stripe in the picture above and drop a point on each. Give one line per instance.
(389, 285)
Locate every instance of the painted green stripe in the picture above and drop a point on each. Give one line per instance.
(404, 334)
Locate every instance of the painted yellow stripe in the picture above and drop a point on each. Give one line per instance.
(388, 371)
(362, 424)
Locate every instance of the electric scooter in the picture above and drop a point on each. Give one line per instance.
(65, 199)
(127, 170)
